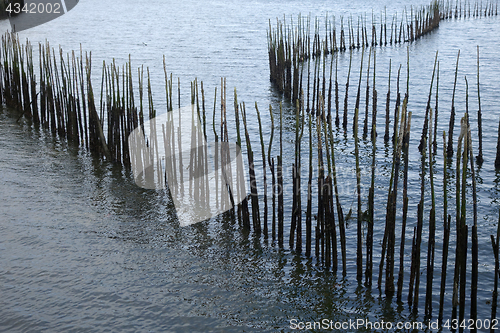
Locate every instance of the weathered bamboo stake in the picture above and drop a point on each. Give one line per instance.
(322, 241)
(389, 234)
(461, 247)
(388, 102)
(298, 211)
(337, 119)
(446, 232)
(475, 255)
(381, 30)
(358, 95)
(452, 116)
(406, 141)
(246, 221)
(308, 84)
(331, 234)
(464, 233)
(497, 159)
(264, 170)
(253, 181)
(359, 248)
(432, 230)
(396, 109)
(479, 157)
(389, 202)
(428, 110)
(329, 115)
(436, 112)
(344, 124)
(385, 26)
(225, 166)
(314, 97)
(374, 100)
(367, 100)
(280, 183)
(271, 168)
(415, 268)
(371, 209)
(495, 246)
(309, 194)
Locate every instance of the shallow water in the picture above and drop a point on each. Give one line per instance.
(82, 248)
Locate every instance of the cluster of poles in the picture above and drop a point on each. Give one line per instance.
(62, 101)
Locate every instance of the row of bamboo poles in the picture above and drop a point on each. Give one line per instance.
(291, 44)
(62, 101)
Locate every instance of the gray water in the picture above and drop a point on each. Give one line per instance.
(82, 248)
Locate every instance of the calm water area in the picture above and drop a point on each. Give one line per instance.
(84, 249)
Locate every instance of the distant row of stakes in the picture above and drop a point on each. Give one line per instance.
(62, 101)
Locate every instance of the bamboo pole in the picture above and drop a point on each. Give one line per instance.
(452, 115)
(479, 157)
(446, 232)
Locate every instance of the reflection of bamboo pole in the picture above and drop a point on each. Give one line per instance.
(271, 168)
